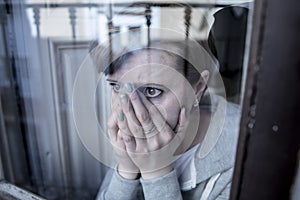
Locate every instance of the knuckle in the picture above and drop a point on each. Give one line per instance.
(127, 139)
(143, 117)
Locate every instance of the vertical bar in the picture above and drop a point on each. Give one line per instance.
(110, 31)
(72, 16)
(37, 21)
(269, 136)
(187, 20)
(148, 22)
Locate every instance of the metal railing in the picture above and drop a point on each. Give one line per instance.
(146, 6)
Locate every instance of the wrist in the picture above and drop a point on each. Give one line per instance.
(158, 173)
(128, 174)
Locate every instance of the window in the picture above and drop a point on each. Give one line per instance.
(45, 45)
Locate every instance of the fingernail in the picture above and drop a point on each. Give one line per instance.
(121, 116)
(128, 87)
(124, 98)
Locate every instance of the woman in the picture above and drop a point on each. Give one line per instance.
(163, 127)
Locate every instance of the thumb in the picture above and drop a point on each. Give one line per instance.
(181, 121)
(181, 126)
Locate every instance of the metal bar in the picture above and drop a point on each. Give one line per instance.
(138, 4)
(110, 32)
(130, 13)
(72, 16)
(110, 26)
(63, 5)
(148, 23)
(187, 20)
(175, 5)
(269, 136)
(37, 20)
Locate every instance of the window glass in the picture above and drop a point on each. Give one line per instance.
(97, 94)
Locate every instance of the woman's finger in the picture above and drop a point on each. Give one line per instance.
(115, 136)
(165, 132)
(142, 115)
(112, 127)
(181, 121)
(133, 125)
(129, 142)
(120, 142)
(180, 130)
(182, 125)
(132, 121)
(157, 118)
(122, 123)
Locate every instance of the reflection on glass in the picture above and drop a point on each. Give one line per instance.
(123, 100)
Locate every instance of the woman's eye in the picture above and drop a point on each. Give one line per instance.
(152, 92)
(115, 87)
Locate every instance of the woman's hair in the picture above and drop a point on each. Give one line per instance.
(180, 64)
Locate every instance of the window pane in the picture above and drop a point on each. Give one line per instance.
(56, 57)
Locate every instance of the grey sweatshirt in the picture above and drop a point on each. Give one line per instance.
(213, 172)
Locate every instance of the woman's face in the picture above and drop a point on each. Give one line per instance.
(152, 73)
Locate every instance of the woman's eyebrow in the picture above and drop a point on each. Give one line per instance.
(149, 84)
(110, 80)
(137, 85)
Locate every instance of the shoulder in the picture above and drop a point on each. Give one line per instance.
(223, 142)
(216, 168)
